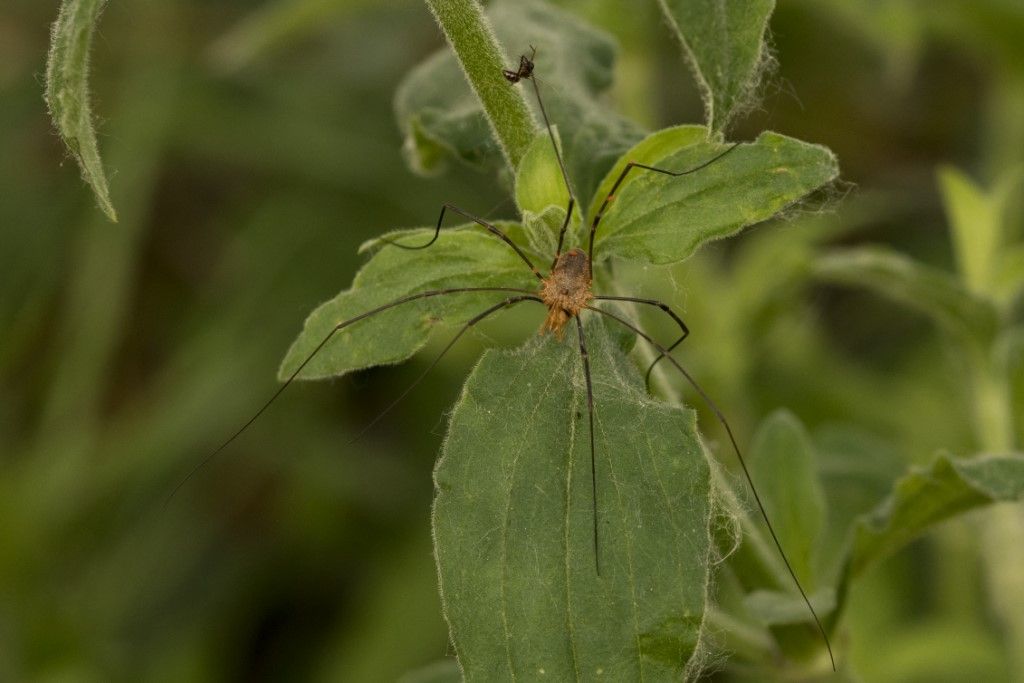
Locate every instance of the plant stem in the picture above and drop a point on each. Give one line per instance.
(1003, 533)
(991, 401)
(482, 60)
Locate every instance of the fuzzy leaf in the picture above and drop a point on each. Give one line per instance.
(539, 182)
(462, 257)
(783, 462)
(930, 291)
(724, 43)
(67, 91)
(927, 496)
(541, 195)
(442, 119)
(513, 521)
(662, 219)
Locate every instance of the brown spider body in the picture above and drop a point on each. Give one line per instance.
(566, 291)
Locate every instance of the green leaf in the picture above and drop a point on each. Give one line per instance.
(462, 257)
(539, 183)
(724, 43)
(541, 194)
(976, 222)
(926, 496)
(67, 91)
(442, 119)
(783, 463)
(930, 291)
(662, 219)
(513, 520)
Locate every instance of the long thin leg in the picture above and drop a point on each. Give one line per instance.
(345, 323)
(622, 176)
(739, 456)
(663, 306)
(465, 328)
(561, 233)
(593, 461)
(493, 229)
(561, 166)
(526, 71)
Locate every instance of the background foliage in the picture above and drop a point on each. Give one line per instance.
(251, 147)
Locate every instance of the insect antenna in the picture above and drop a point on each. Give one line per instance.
(590, 416)
(511, 301)
(739, 456)
(525, 71)
(319, 347)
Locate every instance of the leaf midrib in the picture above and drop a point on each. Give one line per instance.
(507, 512)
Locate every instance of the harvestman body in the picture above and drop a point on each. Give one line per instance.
(566, 292)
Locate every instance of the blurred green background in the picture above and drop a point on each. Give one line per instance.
(252, 148)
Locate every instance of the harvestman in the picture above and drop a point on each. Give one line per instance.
(566, 292)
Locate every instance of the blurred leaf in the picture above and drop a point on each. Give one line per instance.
(857, 471)
(724, 43)
(901, 279)
(67, 91)
(894, 30)
(992, 28)
(926, 496)
(513, 520)
(939, 650)
(1010, 359)
(443, 671)
(976, 222)
(398, 588)
(783, 463)
(775, 608)
(461, 257)
(661, 219)
(275, 23)
(442, 119)
(1009, 277)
